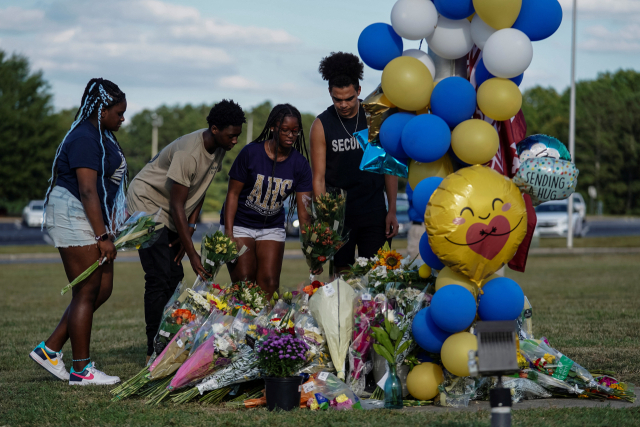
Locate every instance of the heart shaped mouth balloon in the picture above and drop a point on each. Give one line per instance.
(476, 220)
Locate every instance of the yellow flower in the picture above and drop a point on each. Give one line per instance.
(549, 358)
(290, 324)
(252, 327)
(391, 260)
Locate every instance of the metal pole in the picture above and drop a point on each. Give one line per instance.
(250, 128)
(572, 120)
(156, 122)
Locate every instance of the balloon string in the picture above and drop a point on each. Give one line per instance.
(420, 47)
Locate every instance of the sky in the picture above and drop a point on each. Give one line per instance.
(178, 52)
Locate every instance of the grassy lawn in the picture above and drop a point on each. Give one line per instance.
(586, 306)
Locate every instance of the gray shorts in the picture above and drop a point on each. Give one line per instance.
(66, 221)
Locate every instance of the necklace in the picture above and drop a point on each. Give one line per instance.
(357, 118)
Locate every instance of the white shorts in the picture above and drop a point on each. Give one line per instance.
(275, 234)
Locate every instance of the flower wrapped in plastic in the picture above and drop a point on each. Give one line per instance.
(185, 307)
(364, 317)
(318, 357)
(140, 231)
(333, 310)
(216, 323)
(171, 358)
(324, 236)
(218, 249)
(246, 296)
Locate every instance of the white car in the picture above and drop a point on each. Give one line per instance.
(553, 219)
(32, 213)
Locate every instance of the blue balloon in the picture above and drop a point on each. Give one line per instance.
(423, 192)
(453, 100)
(427, 254)
(378, 44)
(426, 138)
(391, 133)
(482, 75)
(426, 333)
(453, 308)
(502, 299)
(538, 19)
(454, 9)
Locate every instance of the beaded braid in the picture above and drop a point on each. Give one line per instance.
(275, 119)
(103, 94)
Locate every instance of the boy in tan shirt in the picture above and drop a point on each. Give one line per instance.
(176, 181)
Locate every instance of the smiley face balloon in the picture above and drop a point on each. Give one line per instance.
(476, 220)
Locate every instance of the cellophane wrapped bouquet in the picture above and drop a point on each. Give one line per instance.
(318, 357)
(184, 305)
(171, 358)
(324, 237)
(330, 393)
(140, 231)
(218, 249)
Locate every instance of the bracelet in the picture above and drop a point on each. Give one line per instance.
(194, 226)
(102, 237)
(80, 360)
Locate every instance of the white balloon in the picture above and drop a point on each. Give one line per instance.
(507, 53)
(451, 39)
(423, 57)
(480, 31)
(414, 19)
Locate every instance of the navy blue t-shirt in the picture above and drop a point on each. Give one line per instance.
(82, 149)
(261, 201)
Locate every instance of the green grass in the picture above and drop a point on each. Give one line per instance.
(586, 306)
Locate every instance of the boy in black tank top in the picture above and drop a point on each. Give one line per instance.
(335, 162)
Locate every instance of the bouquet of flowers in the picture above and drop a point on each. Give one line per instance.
(139, 231)
(217, 323)
(246, 296)
(178, 312)
(217, 250)
(324, 237)
(281, 356)
(364, 312)
(164, 365)
(330, 393)
(318, 357)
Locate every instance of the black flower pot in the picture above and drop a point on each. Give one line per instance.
(283, 393)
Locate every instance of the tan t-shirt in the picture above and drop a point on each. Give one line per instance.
(184, 161)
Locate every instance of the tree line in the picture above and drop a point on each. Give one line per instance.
(607, 134)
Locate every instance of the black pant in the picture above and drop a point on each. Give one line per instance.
(162, 276)
(365, 231)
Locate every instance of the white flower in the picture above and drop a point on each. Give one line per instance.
(218, 328)
(362, 262)
(391, 316)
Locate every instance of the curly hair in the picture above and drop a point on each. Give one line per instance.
(226, 113)
(341, 69)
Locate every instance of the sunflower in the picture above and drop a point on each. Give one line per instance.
(391, 260)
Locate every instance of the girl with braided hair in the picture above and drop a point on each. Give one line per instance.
(84, 206)
(267, 171)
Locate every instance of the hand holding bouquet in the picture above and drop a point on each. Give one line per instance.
(218, 249)
(139, 232)
(323, 237)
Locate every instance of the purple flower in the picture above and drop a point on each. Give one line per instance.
(280, 352)
(281, 357)
(270, 351)
(287, 356)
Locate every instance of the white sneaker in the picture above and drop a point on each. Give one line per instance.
(91, 375)
(50, 361)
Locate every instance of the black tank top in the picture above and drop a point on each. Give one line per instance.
(344, 154)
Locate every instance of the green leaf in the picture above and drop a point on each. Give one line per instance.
(403, 347)
(383, 338)
(383, 352)
(394, 333)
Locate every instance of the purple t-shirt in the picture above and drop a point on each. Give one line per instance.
(261, 201)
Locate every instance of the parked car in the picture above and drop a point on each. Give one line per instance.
(32, 213)
(553, 219)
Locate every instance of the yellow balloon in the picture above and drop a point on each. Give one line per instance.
(476, 220)
(424, 271)
(419, 171)
(499, 99)
(455, 353)
(498, 14)
(470, 17)
(475, 141)
(425, 110)
(423, 381)
(407, 83)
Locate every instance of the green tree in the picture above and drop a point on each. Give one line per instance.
(29, 133)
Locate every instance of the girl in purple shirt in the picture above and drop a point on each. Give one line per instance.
(265, 173)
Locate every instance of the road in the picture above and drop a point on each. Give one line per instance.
(14, 233)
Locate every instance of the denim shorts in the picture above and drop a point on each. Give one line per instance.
(275, 234)
(66, 221)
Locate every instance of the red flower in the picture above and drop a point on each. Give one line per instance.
(322, 258)
(316, 284)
